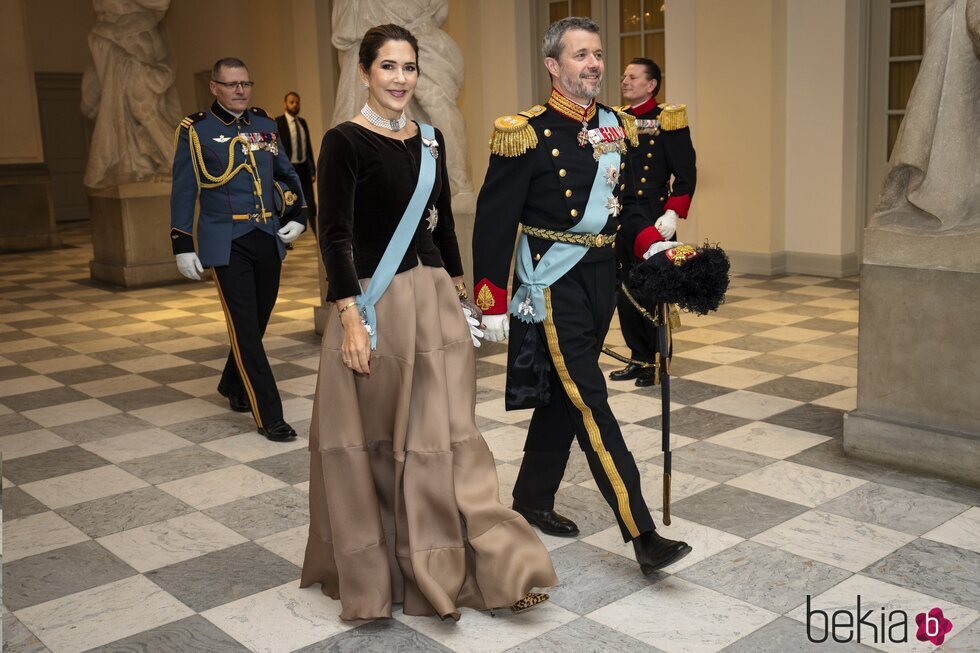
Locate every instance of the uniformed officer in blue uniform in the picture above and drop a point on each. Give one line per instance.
(547, 174)
(231, 158)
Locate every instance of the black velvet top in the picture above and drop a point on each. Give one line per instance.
(365, 181)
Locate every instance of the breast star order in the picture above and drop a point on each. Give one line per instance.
(612, 175)
(432, 218)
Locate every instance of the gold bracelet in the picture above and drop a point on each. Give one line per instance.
(341, 311)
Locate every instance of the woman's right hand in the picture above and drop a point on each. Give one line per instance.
(357, 343)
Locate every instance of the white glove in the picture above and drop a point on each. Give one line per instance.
(291, 231)
(667, 223)
(497, 327)
(656, 248)
(189, 265)
(474, 325)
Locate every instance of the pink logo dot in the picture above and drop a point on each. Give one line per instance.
(933, 626)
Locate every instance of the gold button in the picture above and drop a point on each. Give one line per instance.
(651, 140)
(646, 167)
(622, 165)
(649, 154)
(640, 193)
(574, 213)
(643, 180)
(618, 227)
(661, 199)
(537, 257)
(554, 152)
(547, 132)
(622, 187)
(568, 193)
(600, 240)
(562, 172)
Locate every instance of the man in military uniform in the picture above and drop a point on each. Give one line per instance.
(561, 172)
(665, 151)
(231, 157)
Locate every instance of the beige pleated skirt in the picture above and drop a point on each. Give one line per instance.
(403, 489)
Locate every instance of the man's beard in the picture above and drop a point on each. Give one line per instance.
(293, 112)
(577, 87)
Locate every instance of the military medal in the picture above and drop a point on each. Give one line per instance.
(433, 146)
(260, 141)
(432, 218)
(646, 126)
(526, 308)
(612, 175)
(583, 136)
(613, 205)
(604, 140)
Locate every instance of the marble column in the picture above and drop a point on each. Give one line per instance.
(25, 183)
(918, 403)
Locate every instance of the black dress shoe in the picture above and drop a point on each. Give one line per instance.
(548, 521)
(654, 552)
(631, 371)
(278, 432)
(238, 403)
(646, 378)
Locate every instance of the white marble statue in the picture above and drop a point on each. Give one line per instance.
(440, 74)
(934, 172)
(129, 92)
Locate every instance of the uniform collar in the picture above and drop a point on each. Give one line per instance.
(571, 108)
(225, 116)
(644, 107)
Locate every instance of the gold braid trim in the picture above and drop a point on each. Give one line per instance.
(628, 121)
(673, 117)
(222, 179)
(512, 136)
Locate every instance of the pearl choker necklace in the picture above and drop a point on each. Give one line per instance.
(376, 120)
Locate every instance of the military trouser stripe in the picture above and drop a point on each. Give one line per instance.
(591, 427)
(233, 337)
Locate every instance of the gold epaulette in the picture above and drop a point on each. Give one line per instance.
(629, 126)
(673, 117)
(621, 108)
(514, 135)
(186, 123)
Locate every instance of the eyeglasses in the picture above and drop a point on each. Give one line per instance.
(234, 85)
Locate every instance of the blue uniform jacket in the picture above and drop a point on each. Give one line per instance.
(234, 166)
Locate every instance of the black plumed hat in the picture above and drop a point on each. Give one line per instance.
(693, 278)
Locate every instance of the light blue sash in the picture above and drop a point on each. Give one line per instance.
(403, 235)
(528, 302)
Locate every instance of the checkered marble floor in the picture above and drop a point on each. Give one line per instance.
(142, 515)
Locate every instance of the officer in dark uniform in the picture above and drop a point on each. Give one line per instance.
(665, 151)
(549, 172)
(230, 157)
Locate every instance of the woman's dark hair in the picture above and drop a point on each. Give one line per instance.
(376, 37)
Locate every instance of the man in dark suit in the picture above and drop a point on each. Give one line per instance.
(295, 136)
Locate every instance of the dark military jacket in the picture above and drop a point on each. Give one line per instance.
(233, 166)
(664, 166)
(540, 176)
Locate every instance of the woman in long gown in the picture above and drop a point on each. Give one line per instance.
(403, 489)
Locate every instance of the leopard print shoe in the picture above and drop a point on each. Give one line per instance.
(532, 599)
